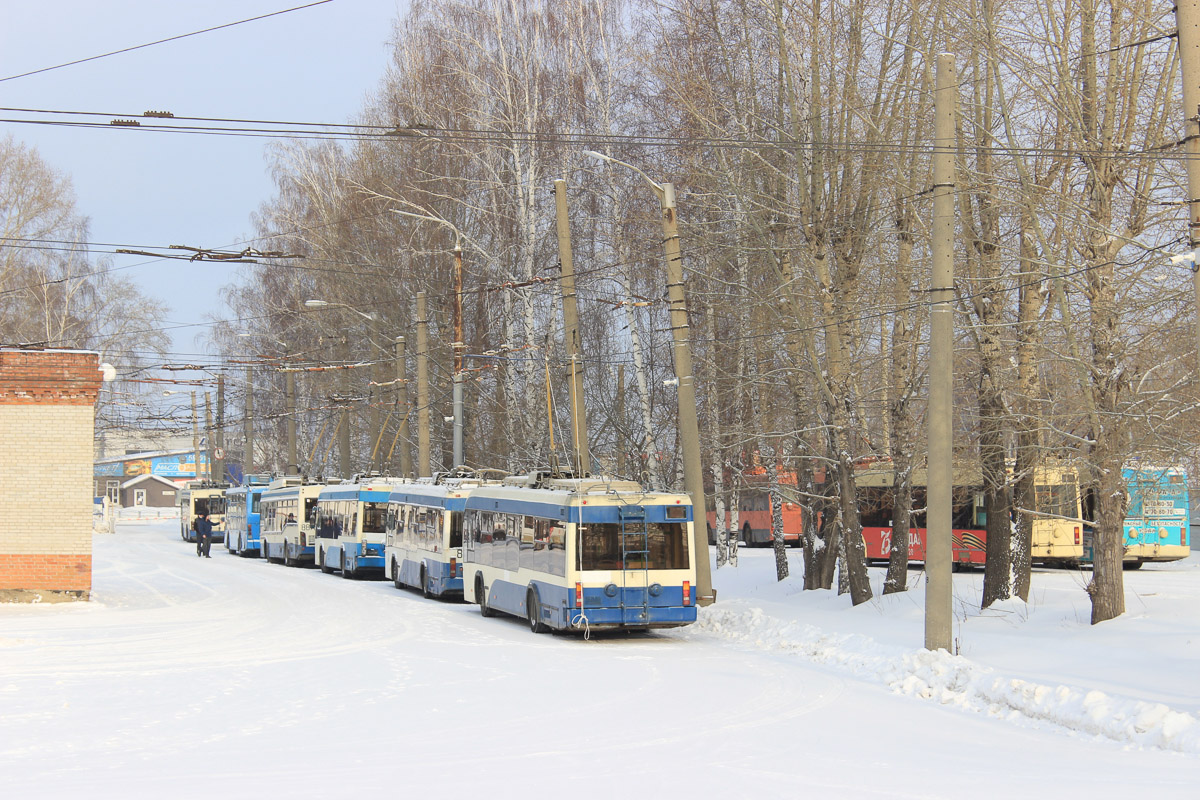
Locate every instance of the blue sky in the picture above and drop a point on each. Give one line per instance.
(147, 189)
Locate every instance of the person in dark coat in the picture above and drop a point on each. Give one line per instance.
(203, 535)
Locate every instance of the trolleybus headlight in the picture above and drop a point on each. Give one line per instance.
(655, 589)
(611, 590)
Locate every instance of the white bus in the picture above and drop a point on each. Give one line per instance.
(580, 554)
(351, 524)
(424, 534)
(202, 497)
(287, 511)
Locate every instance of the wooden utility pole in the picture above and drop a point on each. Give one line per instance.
(938, 548)
(423, 462)
(248, 423)
(579, 436)
(402, 407)
(1187, 20)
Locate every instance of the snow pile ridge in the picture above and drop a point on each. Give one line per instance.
(954, 680)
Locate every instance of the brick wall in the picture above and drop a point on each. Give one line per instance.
(46, 433)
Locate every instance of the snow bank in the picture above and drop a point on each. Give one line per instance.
(957, 681)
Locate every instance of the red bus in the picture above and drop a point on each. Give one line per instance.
(875, 502)
(755, 511)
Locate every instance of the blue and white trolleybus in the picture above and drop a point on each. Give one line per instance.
(351, 525)
(242, 515)
(580, 554)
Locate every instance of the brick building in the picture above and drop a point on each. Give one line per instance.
(47, 423)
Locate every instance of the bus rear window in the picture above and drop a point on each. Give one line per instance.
(374, 517)
(209, 505)
(600, 546)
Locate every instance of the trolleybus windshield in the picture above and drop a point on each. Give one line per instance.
(600, 546)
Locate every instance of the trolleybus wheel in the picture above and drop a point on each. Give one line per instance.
(425, 584)
(535, 612)
(325, 567)
(396, 575)
(1132, 564)
(481, 597)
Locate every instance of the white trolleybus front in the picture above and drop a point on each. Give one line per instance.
(287, 511)
(580, 554)
(351, 526)
(202, 497)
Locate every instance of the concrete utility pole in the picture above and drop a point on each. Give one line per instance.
(579, 435)
(289, 392)
(620, 416)
(219, 461)
(375, 393)
(458, 346)
(248, 422)
(689, 425)
(1187, 20)
(938, 547)
(196, 440)
(344, 466)
(423, 463)
(402, 405)
(208, 435)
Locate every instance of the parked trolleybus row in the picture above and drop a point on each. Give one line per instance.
(593, 553)
(563, 553)
(1156, 523)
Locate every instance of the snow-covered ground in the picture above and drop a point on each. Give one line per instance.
(233, 678)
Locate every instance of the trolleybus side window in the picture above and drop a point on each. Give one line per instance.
(456, 529)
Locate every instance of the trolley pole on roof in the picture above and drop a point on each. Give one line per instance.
(579, 438)
(1187, 20)
(939, 589)
(422, 389)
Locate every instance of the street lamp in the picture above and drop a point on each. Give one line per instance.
(344, 424)
(689, 425)
(457, 345)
